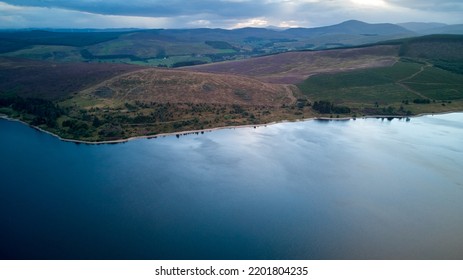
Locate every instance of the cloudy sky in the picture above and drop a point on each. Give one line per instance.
(220, 13)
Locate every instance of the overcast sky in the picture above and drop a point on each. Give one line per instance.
(220, 13)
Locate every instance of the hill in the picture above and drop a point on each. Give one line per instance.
(15, 40)
(443, 47)
(443, 51)
(353, 27)
(428, 78)
(420, 27)
(181, 47)
(294, 67)
(178, 86)
(449, 29)
(109, 101)
(53, 81)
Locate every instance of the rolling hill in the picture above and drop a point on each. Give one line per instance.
(420, 27)
(95, 102)
(294, 67)
(436, 47)
(426, 79)
(177, 86)
(443, 51)
(109, 101)
(449, 29)
(180, 47)
(353, 27)
(53, 81)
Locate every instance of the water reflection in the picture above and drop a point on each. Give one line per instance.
(363, 189)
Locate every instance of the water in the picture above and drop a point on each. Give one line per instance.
(358, 189)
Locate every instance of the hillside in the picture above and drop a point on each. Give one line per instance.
(16, 40)
(294, 67)
(109, 101)
(176, 86)
(440, 47)
(405, 88)
(53, 81)
(443, 51)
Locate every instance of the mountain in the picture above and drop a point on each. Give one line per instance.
(449, 29)
(183, 47)
(70, 30)
(420, 27)
(276, 28)
(353, 27)
(428, 28)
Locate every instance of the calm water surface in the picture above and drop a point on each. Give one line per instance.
(358, 189)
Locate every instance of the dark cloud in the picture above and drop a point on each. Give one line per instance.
(221, 13)
(156, 8)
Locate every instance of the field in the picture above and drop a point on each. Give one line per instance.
(437, 84)
(405, 88)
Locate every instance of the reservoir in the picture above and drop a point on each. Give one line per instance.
(354, 189)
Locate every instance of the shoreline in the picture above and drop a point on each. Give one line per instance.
(187, 132)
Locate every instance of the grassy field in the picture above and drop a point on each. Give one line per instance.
(438, 84)
(408, 88)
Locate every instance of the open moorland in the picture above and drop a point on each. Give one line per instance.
(109, 101)
(295, 67)
(52, 81)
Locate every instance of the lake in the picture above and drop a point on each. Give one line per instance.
(355, 189)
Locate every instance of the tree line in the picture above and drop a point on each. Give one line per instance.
(326, 107)
(44, 111)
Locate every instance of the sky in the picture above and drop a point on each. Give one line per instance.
(220, 13)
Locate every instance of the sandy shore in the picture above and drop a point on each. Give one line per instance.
(187, 132)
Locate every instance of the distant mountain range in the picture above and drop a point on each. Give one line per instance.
(432, 28)
(421, 26)
(347, 27)
(185, 47)
(352, 27)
